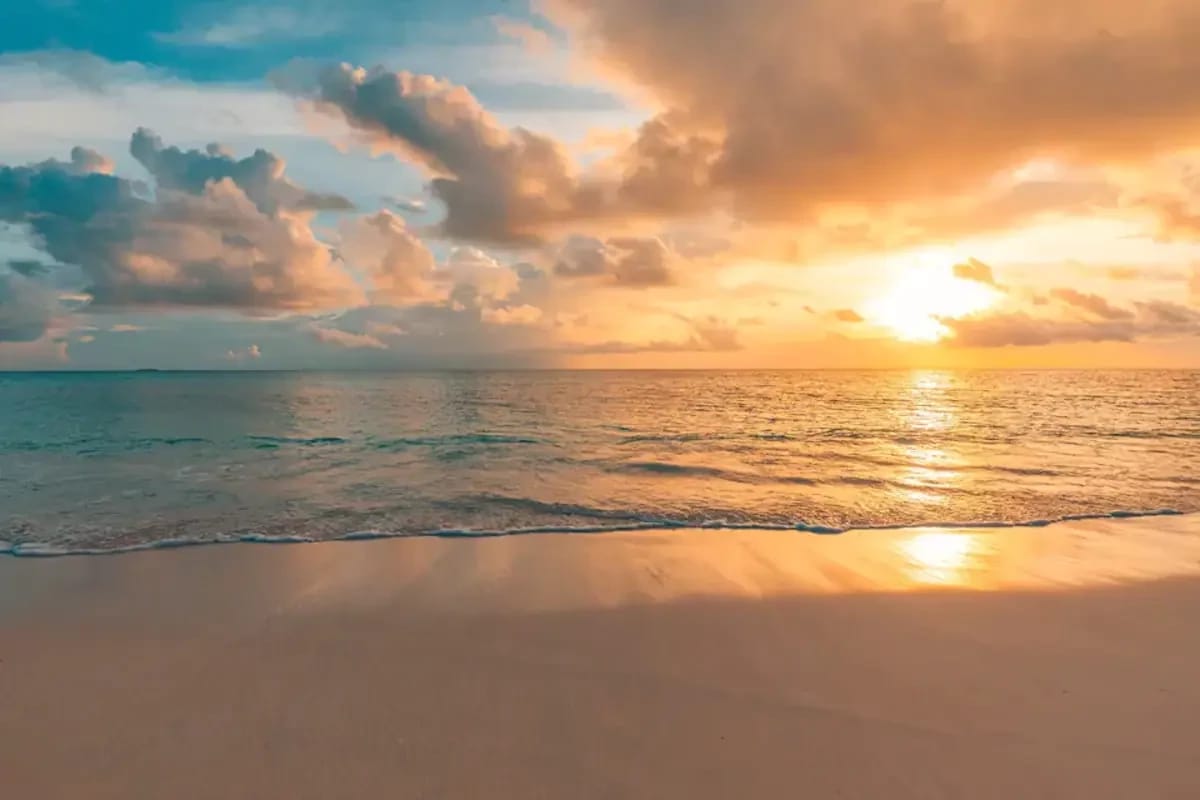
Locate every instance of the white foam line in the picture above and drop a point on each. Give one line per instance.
(43, 550)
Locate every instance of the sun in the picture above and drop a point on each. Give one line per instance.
(921, 295)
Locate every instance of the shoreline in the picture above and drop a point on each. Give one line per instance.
(46, 550)
(1046, 662)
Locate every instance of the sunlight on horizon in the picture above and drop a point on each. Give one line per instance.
(924, 293)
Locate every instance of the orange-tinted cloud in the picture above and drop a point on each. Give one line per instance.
(1091, 303)
(975, 270)
(878, 101)
(1156, 319)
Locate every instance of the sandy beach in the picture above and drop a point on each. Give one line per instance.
(1038, 663)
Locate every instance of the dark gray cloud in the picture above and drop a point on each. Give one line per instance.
(260, 176)
(496, 183)
(202, 240)
(624, 261)
(500, 184)
(26, 308)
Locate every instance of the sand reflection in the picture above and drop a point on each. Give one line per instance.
(946, 558)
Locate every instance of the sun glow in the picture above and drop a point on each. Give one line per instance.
(941, 558)
(922, 295)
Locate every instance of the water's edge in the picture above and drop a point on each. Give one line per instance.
(40, 550)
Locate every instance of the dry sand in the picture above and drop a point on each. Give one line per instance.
(1051, 663)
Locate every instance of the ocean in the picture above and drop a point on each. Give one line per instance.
(99, 462)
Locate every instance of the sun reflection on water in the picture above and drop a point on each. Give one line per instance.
(928, 418)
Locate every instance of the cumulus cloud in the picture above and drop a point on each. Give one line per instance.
(26, 308)
(260, 176)
(203, 240)
(1091, 303)
(397, 261)
(496, 183)
(473, 275)
(877, 101)
(624, 261)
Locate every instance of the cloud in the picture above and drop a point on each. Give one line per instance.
(412, 205)
(473, 275)
(203, 240)
(346, 339)
(251, 25)
(260, 176)
(1169, 314)
(251, 353)
(496, 183)
(398, 262)
(873, 102)
(26, 308)
(125, 327)
(847, 315)
(624, 261)
(1156, 319)
(1144, 274)
(1023, 330)
(713, 333)
(86, 70)
(535, 40)
(513, 315)
(1091, 303)
(499, 184)
(1194, 283)
(707, 334)
(975, 270)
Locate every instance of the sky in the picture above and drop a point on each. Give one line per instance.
(371, 184)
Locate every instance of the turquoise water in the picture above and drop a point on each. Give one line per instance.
(118, 460)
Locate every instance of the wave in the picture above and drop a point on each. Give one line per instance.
(92, 445)
(631, 524)
(451, 440)
(737, 476)
(272, 442)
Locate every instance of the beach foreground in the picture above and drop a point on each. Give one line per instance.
(1055, 662)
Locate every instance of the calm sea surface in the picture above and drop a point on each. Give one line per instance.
(107, 461)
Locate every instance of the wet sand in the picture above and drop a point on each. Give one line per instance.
(1056, 662)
